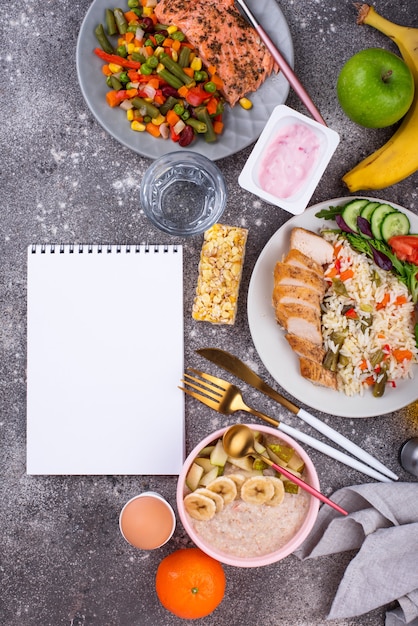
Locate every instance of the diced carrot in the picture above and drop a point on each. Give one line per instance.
(129, 37)
(189, 71)
(131, 16)
(183, 91)
(332, 272)
(152, 38)
(172, 117)
(337, 249)
(385, 300)
(370, 380)
(218, 127)
(346, 274)
(112, 98)
(106, 70)
(218, 81)
(381, 336)
(400, 355)
(159, 98)
(153, 17)
(168, 42)
(154, 82)
(153, 129)
(212, 69)
(149, 50)
(363, 365)
(131, 93)
(212, 105)
(176, 45)
(401, 300)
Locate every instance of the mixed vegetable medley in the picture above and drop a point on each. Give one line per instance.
(157, 77)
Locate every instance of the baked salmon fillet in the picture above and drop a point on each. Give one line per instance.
(223, 39)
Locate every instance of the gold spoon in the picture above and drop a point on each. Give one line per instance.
(238, 441)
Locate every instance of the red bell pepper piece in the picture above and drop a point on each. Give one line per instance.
(114, 58)
(196, 96)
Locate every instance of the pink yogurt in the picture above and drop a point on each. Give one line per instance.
(288, 160)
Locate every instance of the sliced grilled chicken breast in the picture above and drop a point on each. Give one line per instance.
(317, 374)
(300, 320)
(312, 245)
(297, 258)
(291, 275)
(305, 348)
(292, 294)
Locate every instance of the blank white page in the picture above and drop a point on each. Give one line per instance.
(105, 358)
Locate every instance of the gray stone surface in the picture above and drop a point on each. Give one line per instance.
(63, 179)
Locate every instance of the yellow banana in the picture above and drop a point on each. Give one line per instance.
(397, 158)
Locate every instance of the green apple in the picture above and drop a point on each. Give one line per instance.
(375, 88)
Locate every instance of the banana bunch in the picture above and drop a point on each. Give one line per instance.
(397, 158)
(203, 503)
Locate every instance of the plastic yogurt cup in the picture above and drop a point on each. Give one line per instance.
(289, 159)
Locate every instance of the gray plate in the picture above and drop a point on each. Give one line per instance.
(241, 129)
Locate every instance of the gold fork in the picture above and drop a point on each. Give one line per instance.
(226, 398)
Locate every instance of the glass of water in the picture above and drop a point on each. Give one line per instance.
(183, 193)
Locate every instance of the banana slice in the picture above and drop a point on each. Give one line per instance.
(239, 480)
(225, 487)
(257, 490)
(278, 495)
(199, 506)
(218, 499)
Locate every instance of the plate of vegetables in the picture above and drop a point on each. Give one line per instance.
(228, 129)
(394, 252)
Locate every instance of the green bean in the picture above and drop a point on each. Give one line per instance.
(203, 115)
(178, 108)
(184, 56)
(169, 78)
(152, 61)
(147, 107)
(339, 287)
(138, 57)
(178, 36)
(110, 23)
(168, 104)
(123, 77)
(121, 21)
(330, 361)
(379, 386)
(103, 40)
(133, 4)
(197, 125)
(175, 69)
(116, 84)
(122, 51)
(376, 357)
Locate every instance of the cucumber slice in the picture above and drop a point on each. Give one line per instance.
(377, 218)
(395, 224)
(351, 211)
(367, 211)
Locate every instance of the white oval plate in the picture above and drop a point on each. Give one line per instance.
(241, 128)
(276, 354)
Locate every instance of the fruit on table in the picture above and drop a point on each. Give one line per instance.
(397, 158)
(375, 88)
(190, 583)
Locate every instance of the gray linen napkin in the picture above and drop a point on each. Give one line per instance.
(383, 526)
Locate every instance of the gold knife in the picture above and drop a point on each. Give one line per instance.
(235, 366)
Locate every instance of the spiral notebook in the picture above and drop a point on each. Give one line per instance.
(105, 357)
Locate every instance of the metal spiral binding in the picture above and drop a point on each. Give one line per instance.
(90, 248)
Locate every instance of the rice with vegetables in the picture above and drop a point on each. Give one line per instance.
(367, 323)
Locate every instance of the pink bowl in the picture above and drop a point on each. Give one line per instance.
(311, 477)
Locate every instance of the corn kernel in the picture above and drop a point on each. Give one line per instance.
(148, 11)
(246, 103)
(115, 68)
(138, 126)
(159, 67)
(158, 120)
(172, 29)
(158, 50)
(130, 48)
(174, 55)
(196, 64)
(130, 115)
